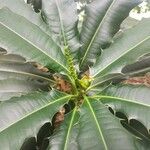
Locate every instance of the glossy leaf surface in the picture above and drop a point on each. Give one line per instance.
(102, 21)
(123, 52)
(95, 124)
(33, 43)
(22, 117)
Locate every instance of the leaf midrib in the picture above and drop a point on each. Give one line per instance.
(120, 99)
(96, 122)
(125, 53)
(69, 129)
(96, 32)
(101, 82)
(61, 23)
(26, 116)
(28, 74)
(34, 46)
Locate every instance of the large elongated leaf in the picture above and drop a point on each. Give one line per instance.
(123, 52)
(132, 109)
(102, 82)
(19, 7)
(103, 19)
(136, 93)
(140, 67)
(95, 124)
(13, 66)
(65, 137)
(26, 39)
(15, 87)
(133, 102)
(62, 26)
(19, 77)
(26, 11)
(22, 117)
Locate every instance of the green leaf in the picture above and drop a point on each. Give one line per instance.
(15, 87)
(102, 82)
(21, 8)
(65, 137)
(142, 66)
(136, 93)
(62, 26)
(28, 40)
(125, 50)
(132, 109)
(13, 66)
(102, 21)
(22, 117)
(19, 77)
(133, 102)
(92, 127)
(47, 38)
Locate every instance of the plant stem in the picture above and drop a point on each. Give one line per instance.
(73, 75)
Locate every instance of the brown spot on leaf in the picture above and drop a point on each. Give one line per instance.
(62, 85)
(59, 117)
(40, 67)
(141, 80)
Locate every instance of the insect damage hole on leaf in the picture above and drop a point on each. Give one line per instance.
(137, 129)
(133, 126)
(61, 49)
